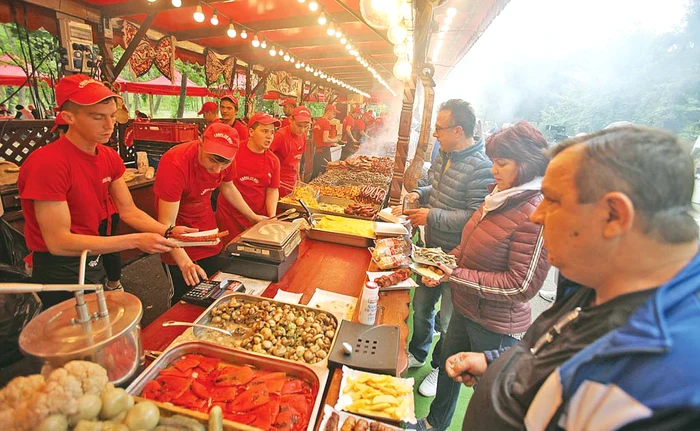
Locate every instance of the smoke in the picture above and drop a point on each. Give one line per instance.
(383, 140)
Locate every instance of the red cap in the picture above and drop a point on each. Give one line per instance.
(301, 113)
(357, 111)
(230, 97)
(288, 101)
(331, 108)
(58, 122)
(209, 106)
(83, 90)
(263, 118)
(221, 139)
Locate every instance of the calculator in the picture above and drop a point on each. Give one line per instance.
(208, 291)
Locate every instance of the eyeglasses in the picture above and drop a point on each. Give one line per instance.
(438, 128)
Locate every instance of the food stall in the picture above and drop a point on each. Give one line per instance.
(287, 45)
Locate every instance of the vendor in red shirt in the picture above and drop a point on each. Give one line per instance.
(187, 175)
(257, 178)
(228, 105)
(351, 145)
(65, 186)
(289, 145)
(360, 130)
(288, 105)
(323, 140)
(210, 112)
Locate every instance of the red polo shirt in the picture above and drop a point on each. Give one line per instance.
(285, 122)
(181, 178)
(62, 172)
(255, 173)
(321, 125)
(288, 148)
(242, 129)
(348, 121)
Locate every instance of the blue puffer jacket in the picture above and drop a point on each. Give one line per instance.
(634, 373)
(455, 194)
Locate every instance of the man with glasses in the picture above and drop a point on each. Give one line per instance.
(289, 145)
(457, 184)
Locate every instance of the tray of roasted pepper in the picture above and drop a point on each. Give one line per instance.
(251, 389)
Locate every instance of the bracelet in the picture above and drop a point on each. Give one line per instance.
(168, 231)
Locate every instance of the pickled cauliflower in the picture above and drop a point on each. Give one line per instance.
(26, 401)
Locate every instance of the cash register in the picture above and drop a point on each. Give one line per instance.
(265, 251)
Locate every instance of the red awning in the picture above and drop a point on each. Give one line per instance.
(162, 86)
(11, 74)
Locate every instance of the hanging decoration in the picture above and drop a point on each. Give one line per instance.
(214, 68)
(145, 55)
(283, 83)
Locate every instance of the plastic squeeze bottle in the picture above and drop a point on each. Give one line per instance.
(368, 304)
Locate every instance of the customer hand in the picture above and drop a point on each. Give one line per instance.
(418, 217)
(191, 273)
(447, 270)
(413, 197)
(430, 282)
(466, 367)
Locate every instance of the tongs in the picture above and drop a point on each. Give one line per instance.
(309, 217)
(287, 215)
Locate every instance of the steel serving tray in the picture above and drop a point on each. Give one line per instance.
(205, 318)
(283, 206)
(316, 376)
(338, 237)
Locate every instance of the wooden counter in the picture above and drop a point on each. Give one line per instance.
(332, 267)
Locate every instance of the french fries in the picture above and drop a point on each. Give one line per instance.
(379, 396)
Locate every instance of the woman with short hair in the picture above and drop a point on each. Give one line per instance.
(501, 261)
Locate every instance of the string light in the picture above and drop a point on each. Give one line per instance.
(331, 30)
(256, 41)
(313, 5)
(244, 34)
(215, 18)
(273, 52)
(263, 44)
(343, 40)
(231, 32)
(176, 3)
(198, 14)
(322, 20)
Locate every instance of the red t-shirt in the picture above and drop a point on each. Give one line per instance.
(62, 172)
(255, 173)
(242, 129)
(285, 122)
(360, 124)
(180, 177)
(288, 148)
(321, 125)
(347, 122)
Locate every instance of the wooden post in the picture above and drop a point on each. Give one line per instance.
(134, 43)
(248, 98)
(415, 171)
(183, 93)
(105, 44)
(409, 94)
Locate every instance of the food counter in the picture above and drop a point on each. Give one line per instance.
(333, 267)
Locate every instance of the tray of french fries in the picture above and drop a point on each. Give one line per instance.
(334, 420)
(377, 396)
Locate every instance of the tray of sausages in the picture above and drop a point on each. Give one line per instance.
(334, 420)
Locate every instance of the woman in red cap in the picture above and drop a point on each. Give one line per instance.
(323, 140)
(289, 145)
(187, 175)
(65, 185)
(257, 178)
(228, 105)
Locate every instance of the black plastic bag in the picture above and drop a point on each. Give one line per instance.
(16, 309)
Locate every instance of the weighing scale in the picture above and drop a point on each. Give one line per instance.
(368, 348)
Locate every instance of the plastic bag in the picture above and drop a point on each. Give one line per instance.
(16, 309)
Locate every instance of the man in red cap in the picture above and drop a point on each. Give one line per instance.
(288, 105)
(257, 178)
(289, 145)
(187, 175)
(228, 105)
(65, 187)
(323, 140)
(350, 143)
(210, 111)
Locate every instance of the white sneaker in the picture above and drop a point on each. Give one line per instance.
(413, 362)
(429, 386)
(548, 295)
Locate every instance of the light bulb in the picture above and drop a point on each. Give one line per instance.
(151, 1)
(301, 1)
(402, 69)
(322, 20)
(316, 73)
(244, 34)
(348, 46)
(397, 33)
(400, 49)
(286, 57)
(231, 32)
(298, 65)
(291, 59)
(330, 31)
(176, 3)
(313, 5)
(198, 14)
(343, 40)
(273, 52)
(448, 20)
(263, 44)
(214, 18)
(338, 32)
(303, 64)
(328, 78)
(441, 35)
(444, 28)
(451, 12)
(256, 41)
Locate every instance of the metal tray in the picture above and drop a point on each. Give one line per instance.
(317, 377)
(338, 237)
(205, 318)
(283, 206)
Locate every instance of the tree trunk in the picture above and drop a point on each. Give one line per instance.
(150, 105)
(183, 93)
(157, 105)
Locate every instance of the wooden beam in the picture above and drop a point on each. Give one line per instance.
(73, 8)
(264, 26)
(105, 44)
(263, 78)
(145, 25)
(137, 7)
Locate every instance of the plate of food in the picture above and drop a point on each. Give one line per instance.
(433, 256)
(343, 306)
(334, 420)
(206, 237)
(392, 280)
(427, 271)
(377, 396)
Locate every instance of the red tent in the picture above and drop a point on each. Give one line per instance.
(162, 86)
(11, 74)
